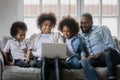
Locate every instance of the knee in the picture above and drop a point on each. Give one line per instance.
(39, 65)
(108, 52)
(25, 65)
(33, 63)
(67, 65)
(77, 65)
(84, 62)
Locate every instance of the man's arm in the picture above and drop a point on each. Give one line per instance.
(107, 38)
(95, 56)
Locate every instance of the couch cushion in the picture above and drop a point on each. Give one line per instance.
(79, 74)
(18, 73)
(117, 42)
(0, 71)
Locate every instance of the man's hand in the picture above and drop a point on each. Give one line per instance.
(92, 57)
(95, 56)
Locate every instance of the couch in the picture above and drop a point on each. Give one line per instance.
(19, 73)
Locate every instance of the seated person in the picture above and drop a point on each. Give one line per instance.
(70, 28)
(46, 22)
(17, 46)
(101, 48)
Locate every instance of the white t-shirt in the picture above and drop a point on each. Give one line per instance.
(70, 50)
(44, 38)
(16, 48)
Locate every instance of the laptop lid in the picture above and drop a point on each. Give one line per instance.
(53, 50)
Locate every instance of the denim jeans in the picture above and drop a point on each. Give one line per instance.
(107, 59)
(21, 63)
(72, 63)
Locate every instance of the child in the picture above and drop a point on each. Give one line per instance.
(70, 28)
(46, 22)
(17, 46)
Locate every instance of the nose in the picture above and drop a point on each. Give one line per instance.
(83, 24)
(65, 33)
(23, 37)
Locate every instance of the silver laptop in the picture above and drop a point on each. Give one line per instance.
(53, 50)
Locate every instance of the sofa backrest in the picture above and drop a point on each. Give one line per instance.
(3, 41)
(117, 42)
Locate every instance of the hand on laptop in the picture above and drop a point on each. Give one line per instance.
(65, 59)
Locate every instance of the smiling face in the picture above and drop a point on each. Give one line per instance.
(66, 32)
(85, 24)
(46, 27)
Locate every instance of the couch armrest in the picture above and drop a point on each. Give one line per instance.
(1, 62)
(0, 70)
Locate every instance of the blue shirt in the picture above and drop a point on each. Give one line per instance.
(98, 39)
(76, 46)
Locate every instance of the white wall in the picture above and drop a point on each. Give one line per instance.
(10, 11)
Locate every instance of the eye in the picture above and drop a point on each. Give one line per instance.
(45, 25)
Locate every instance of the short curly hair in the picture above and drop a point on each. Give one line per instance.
(71, 23)
(88, 15)
(16, 26)
(46, 16)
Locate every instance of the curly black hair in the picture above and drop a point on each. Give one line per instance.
(46, 16)
(16, 26)
(71, 23)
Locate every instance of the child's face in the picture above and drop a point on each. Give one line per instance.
(46, 27)
(20, 35)
(66, 32)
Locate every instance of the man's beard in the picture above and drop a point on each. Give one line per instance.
(86, 31)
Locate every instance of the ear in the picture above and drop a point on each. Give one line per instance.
(91, 22)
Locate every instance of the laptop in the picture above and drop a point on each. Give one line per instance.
(53, 50)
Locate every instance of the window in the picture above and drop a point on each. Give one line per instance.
(32, 8)
(105, 12)
(93, 8)
(109, 15)
(31, 11)
(68, 7)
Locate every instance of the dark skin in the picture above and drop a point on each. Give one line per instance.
(86, 26)
(19, 37)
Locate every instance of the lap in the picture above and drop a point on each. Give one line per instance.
(101, 61)
(21, 63)
(72, 63)
(47, 62)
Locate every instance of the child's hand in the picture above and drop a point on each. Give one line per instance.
(25, 55)
(83, 57)
(63, 60)
(11, 63)
(27, 60)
